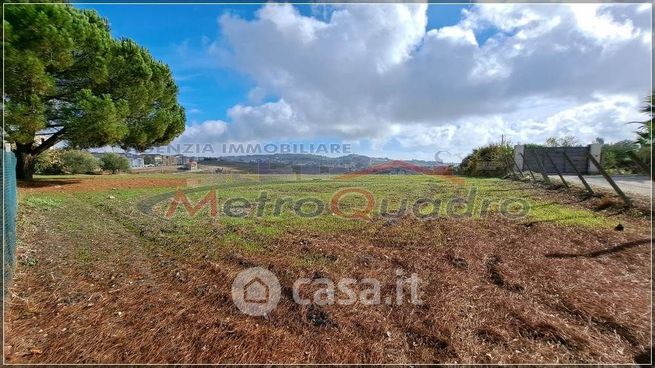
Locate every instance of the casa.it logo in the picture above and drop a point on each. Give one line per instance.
(256, 291)
(397, 166)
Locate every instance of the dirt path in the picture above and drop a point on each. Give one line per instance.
(93, 183)
(114, 291)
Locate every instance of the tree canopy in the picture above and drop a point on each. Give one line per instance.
(645, 131)
(67, 79)
(566, 141)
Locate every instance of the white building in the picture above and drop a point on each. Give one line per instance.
(136, 162)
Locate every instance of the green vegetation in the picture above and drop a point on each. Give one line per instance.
(624, 157)
(66, 162)
(79, 162)
(470, 197)
(474, 198)
(49, 162)
(616, 157)
(43, 202)
(566, 141)
(68, 80)
(645, 133)
(493, 160)
(88, 221)
(114, 163)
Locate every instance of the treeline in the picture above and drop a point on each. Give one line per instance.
(59, 161)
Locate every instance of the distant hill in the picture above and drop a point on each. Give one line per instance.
(351, 161)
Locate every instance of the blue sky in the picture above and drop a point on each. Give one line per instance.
(400, 81)
(174, 34)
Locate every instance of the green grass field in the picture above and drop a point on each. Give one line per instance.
(473, 198)
(249, 231)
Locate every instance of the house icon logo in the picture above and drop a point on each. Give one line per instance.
(256, 291)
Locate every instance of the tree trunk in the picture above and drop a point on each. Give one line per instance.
(25, 163)
(26, 155)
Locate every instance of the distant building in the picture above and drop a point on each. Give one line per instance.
(136, 162)
(169, 160)
(191, 165)
(162, 160)
(181, 160)
(157, 159)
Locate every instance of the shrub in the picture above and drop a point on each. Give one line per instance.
(79, 162)
(645, 153)
(616, 159)
(49, 162)
(114, 163)
(493, 160)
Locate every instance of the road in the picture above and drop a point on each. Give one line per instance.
(640, 185)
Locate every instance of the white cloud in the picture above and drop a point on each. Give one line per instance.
(375, 72)
(207, 130)
(605, 116)
(598, 23)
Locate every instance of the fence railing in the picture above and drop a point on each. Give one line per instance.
(9, 206)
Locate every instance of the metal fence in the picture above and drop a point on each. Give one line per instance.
(9, 206)
(565, 160)
(535, 158)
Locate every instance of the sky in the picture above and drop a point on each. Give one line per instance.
(399, 80)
